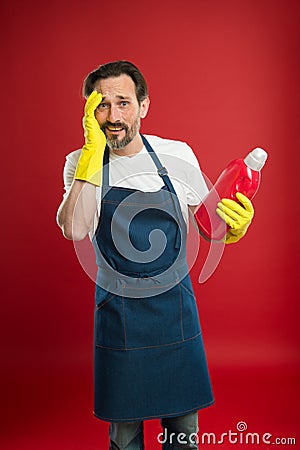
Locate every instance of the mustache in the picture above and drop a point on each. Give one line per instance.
(116, 125)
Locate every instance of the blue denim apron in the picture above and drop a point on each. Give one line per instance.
(149, 355)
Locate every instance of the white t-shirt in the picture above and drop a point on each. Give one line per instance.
(139, 172)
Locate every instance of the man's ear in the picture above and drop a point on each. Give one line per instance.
(144, 107)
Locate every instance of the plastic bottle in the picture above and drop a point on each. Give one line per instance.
(241, 175)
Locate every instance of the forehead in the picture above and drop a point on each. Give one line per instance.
(122, 85)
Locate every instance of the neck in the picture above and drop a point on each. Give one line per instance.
(134, 147)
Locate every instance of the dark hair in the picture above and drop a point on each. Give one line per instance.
(115, 69)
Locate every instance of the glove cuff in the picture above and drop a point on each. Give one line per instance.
(233, 236)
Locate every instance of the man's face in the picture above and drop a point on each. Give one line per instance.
(119, 113)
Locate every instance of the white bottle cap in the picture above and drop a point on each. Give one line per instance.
(256, 159)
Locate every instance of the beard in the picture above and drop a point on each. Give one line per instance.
(113, 142)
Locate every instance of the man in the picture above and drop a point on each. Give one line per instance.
(132, 193)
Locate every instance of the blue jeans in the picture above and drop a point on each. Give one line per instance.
(178, 433)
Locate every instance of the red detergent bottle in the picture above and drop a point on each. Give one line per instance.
(241, 175)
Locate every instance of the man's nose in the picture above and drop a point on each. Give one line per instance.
(114, 114)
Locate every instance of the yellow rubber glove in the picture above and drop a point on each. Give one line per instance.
(237, 216)
(89, 167)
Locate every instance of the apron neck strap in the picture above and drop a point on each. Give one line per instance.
(161, 170)
(163, 173)
(105, 170)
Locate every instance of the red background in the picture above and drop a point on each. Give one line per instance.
(223, 76)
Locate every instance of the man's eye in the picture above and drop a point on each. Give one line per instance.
(124, 103)
(102, 106)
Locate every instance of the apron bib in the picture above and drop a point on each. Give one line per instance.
(149, 355)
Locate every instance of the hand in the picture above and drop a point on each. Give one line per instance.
(89, 167)
(237, 216)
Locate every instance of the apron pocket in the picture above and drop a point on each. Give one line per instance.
(190, 318)
(109, 320)
(154, 321)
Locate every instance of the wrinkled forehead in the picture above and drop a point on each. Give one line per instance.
(115, 87)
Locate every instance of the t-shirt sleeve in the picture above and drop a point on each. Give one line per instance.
(196, 187)
(69, 170)
(68, 176)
